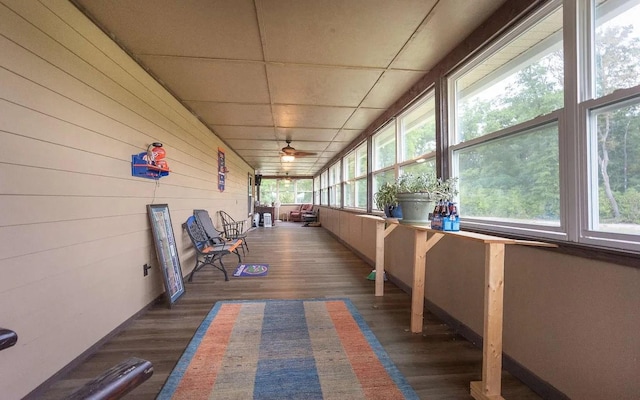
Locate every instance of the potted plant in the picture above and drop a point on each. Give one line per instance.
(417, 195)
(387, 200)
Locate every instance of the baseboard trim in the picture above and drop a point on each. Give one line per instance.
(39, 391)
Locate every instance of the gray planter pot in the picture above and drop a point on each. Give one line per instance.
(415, 208)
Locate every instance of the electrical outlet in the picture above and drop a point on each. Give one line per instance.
(145, 269)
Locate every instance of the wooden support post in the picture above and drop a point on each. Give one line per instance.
(490, 387)
(379, 258)
(417, 289)
(422, 246)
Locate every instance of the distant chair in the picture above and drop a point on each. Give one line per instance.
(296, 215)
(234, 230)
(207, 251)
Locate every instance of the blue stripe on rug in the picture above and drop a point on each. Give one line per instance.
(286, 357)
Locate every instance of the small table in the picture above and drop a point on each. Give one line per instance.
(490, 386)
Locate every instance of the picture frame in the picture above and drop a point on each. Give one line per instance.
(166, 251)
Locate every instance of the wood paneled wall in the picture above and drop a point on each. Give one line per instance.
(74, 232)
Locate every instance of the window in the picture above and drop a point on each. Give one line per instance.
(512, 178)
(418, 130)
(384, 156)
(521, 78)
(304, 191)
(421, 167)
(335, 180)
(268, 191)
(505, 128)
(316, 190)
(611, 107)
(617, 48)
(415, 136)
(324, 188)
(384, 147)
(355, 177)
(418, 138)
(285, 191)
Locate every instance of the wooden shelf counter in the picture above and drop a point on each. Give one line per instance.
(490, 386)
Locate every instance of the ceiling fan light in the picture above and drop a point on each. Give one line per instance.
(288, 158)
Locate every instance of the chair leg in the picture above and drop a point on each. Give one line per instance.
(223, 269)
(190, 278)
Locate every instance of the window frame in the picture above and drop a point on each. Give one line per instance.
(359, 175)
(552, 232)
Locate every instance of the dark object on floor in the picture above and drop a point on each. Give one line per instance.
(7, 338)
(116, 381)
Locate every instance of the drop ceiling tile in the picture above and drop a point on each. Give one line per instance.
(363, 117)
(390, 87)
(244, 132)
(305, 134)
(347, 135)
(337, 32)
(254, 156)
(295, 84)
(444, 29)
(232, 113)
(334, 147)
(219, 29)
(194, 79)
(289, 116)
(258, 145)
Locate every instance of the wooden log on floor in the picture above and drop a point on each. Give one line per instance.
(116, 381)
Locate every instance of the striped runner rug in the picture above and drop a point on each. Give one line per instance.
(285, 349)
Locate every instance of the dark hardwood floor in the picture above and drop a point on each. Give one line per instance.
(304, 263)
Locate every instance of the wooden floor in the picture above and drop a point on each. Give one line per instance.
(304, 263)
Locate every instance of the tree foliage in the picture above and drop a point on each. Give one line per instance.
(518, 177)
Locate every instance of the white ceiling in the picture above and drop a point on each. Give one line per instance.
(317, 72)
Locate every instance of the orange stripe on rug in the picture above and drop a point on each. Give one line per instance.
(374, 379)
(200, 376)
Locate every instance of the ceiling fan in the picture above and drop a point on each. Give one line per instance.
(289, 154)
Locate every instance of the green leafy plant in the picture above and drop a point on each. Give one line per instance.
(386, 195)
(437, 188)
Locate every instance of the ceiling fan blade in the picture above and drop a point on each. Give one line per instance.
(304, 154)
